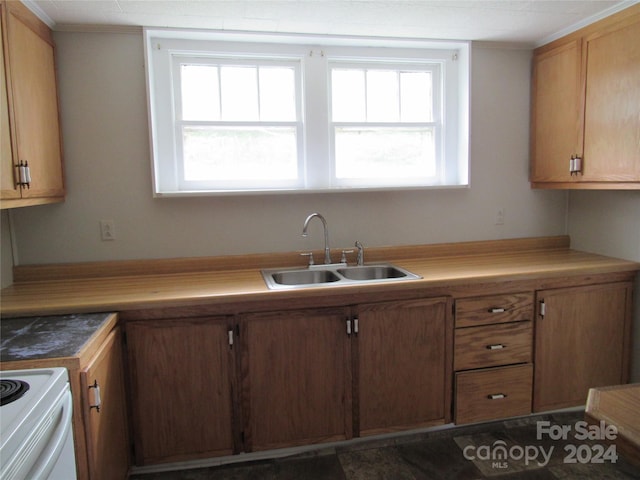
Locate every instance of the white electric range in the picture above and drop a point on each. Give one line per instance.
(36, 438)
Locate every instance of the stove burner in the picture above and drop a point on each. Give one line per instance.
(11, 390)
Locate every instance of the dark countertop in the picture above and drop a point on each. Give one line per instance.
(59, 336)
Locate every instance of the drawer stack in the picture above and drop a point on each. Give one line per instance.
(493, 357)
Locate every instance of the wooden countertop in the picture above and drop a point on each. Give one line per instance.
(137, 285)
(618, 406)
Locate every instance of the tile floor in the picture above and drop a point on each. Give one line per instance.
(437, 455)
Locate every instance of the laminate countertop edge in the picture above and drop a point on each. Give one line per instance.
(220, 287)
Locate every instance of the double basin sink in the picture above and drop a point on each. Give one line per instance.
(334, 275)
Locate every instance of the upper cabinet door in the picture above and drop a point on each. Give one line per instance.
(612, 112)
(8, 187)
(586, 106)
(31, 70)
(556, 129)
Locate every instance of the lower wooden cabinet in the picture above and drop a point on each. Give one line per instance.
(296, 385)
(493, 354)
(104, 410)
(492, 393)
(182, 382)
(582, 341)
(402, 365)
(219, 385)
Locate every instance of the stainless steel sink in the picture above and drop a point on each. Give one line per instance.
(372, 272)
(304, 277)
(334, 275)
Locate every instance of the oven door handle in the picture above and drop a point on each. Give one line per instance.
(49, 456)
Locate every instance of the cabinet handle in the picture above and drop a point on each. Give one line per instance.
(97, 401)
(497, 310)
(349, 327)
(497, 346)
(24, 174)
(496, 396)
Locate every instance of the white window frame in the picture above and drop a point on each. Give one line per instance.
(313, 54)
(185, 185)
(435, 67)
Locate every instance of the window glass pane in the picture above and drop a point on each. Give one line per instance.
(239, 153)
(348, 95)
(416, 94)
(277, 94)
(239, 93)
(385, 153)
(200, 92)
(382, 96)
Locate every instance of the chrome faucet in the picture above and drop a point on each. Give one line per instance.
(327, 251)
(360, 257)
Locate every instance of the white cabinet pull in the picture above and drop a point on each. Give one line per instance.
(497, 310)
(97, 401)
(496, 396)
(497, 346)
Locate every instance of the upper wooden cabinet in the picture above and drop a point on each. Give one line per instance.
(585, 126)
(29, 109)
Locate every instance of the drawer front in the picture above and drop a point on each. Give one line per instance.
(493, 393)
(476, 311)
(493, 345)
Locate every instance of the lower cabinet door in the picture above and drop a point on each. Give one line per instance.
(582, 341)
(104, 409)
(296, 378)
(182, 378)
(402, 367)
(493, 393)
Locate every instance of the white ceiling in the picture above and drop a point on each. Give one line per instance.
(515, 21)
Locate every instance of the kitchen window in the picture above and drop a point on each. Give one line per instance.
(273, 114)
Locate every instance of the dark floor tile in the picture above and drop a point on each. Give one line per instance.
(321, 467)
(438, 459)
(375, 464)
(264, 470)
(591, 471)
(539, 474)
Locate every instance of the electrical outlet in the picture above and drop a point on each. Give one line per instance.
(107, 230)
(500, 214)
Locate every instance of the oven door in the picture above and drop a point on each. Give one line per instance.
(47, 452)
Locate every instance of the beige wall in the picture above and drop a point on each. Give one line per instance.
(104, 118)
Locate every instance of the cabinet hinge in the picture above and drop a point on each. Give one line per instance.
(575, 165)
(542, 309)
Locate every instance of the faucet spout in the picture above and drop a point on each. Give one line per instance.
(327, 250)
(360, 257)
